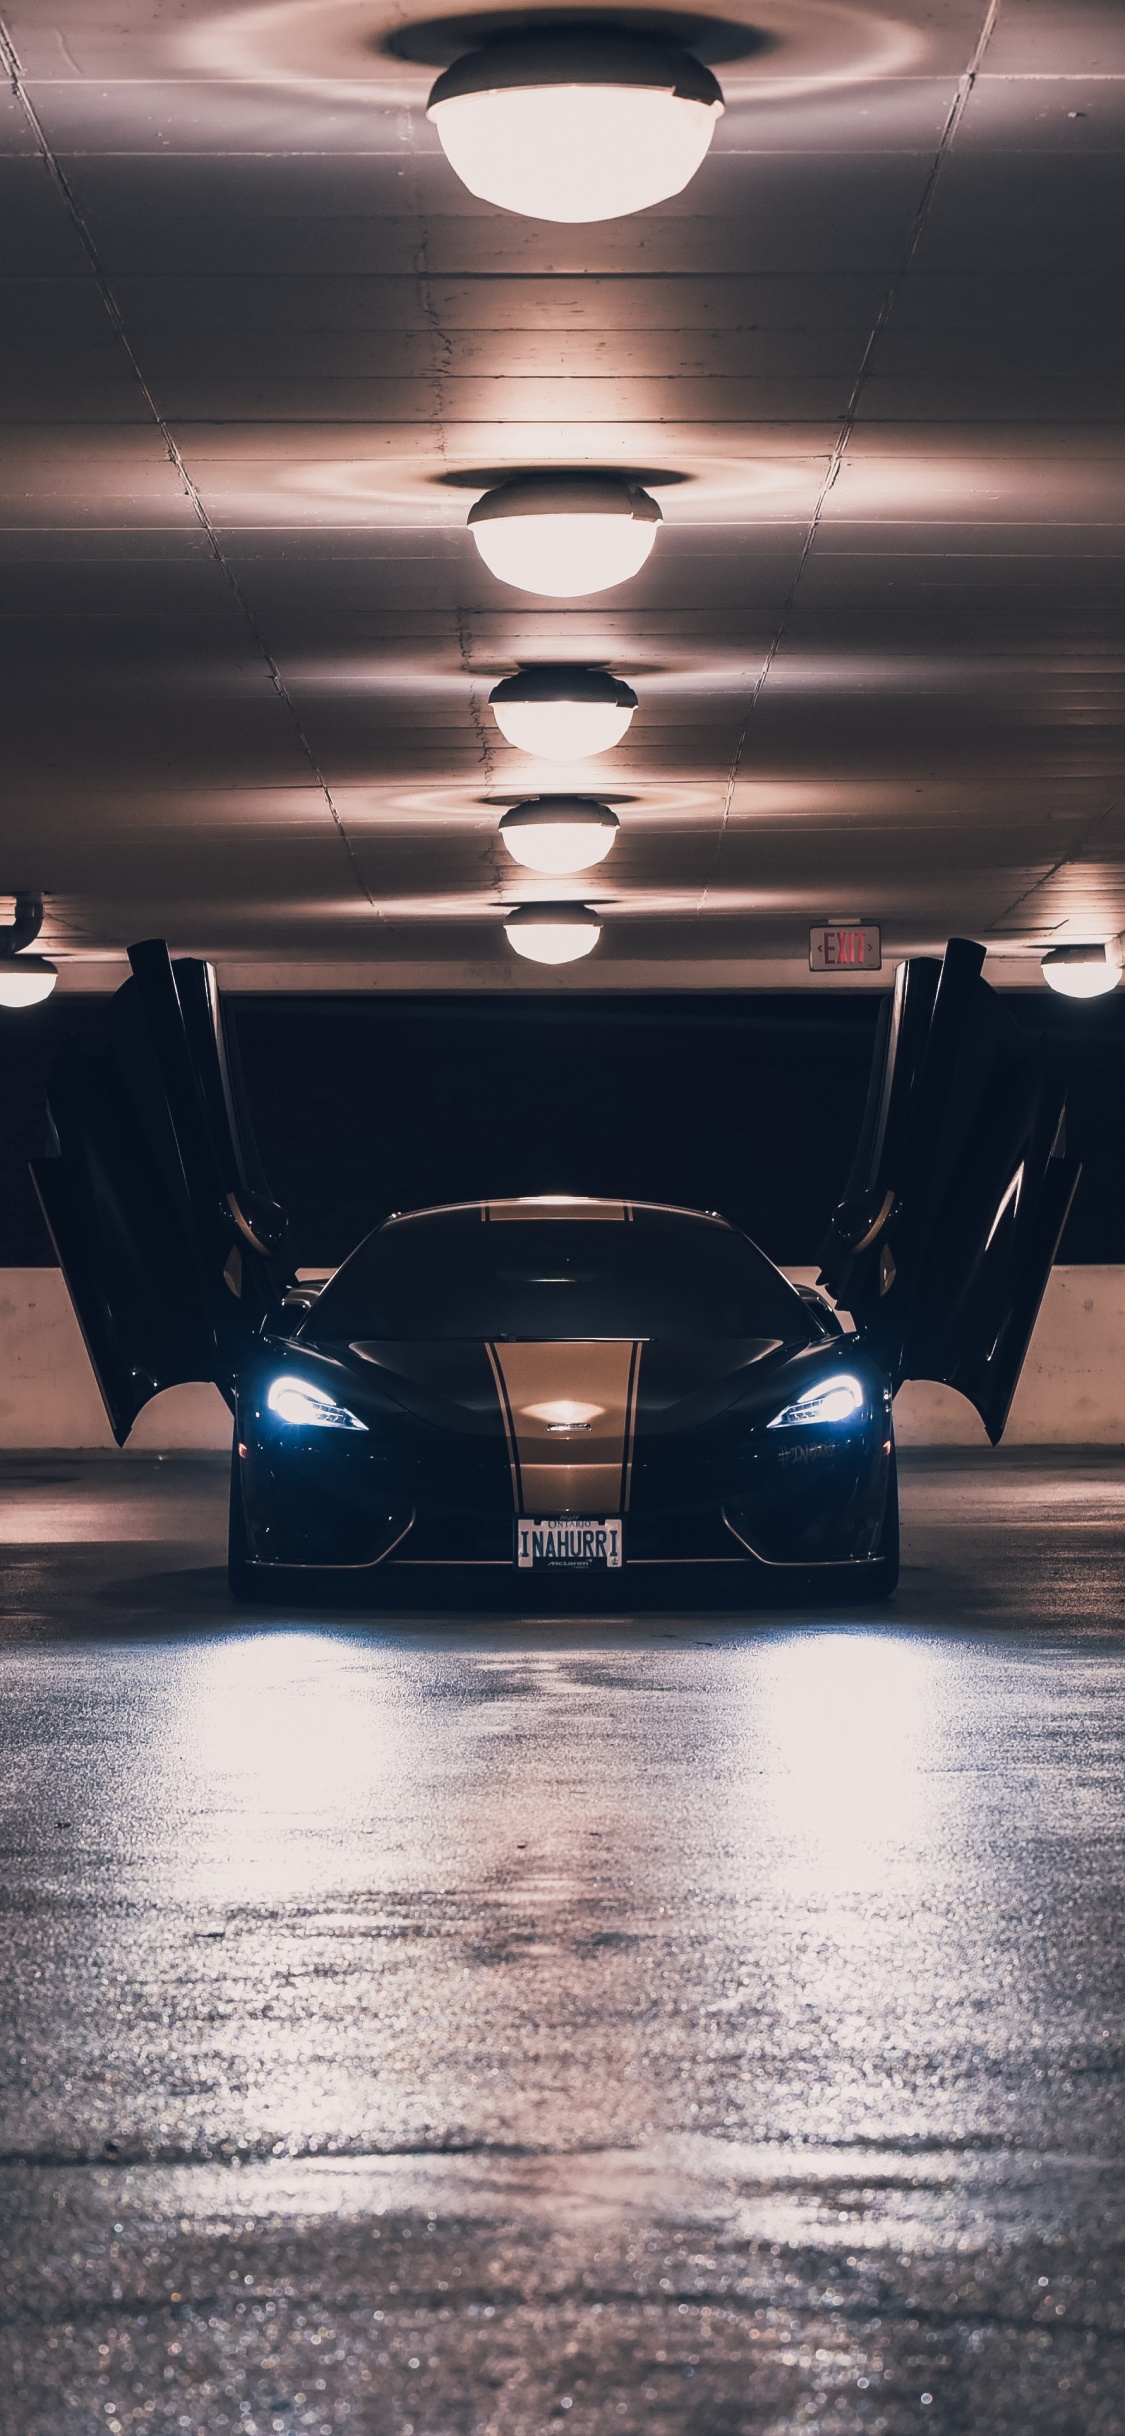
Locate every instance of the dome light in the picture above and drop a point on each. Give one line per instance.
(576, 122)
(565, 535)
(559, 833)
(1083, 972)
(25, 981)
(553, 934)
(562, 714)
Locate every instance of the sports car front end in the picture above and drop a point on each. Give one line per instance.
(688, 1410)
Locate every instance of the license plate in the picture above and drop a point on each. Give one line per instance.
(566, 1543)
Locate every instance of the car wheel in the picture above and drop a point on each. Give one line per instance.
(889, 1544)
(280, 1585)
(857, 1585)
(242, 1580)
(880, 1580)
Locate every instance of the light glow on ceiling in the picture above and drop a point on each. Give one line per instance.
(565, 535)
(576, 123)
(559, 833)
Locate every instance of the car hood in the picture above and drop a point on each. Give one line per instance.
(668, 1384)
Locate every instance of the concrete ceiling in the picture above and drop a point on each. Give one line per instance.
(252, 330)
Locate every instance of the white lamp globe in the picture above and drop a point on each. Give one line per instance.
(578, 122)
(553, 934)
(559, 833)
(565, 535)
(562, 714)
(25, 981)
(1082, 972)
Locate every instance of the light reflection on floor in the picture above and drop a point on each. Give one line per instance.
(714, 2022)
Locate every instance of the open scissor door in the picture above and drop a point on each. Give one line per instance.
(943, 1243)
(173, 1252)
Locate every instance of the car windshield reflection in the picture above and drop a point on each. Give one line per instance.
(657, 1273)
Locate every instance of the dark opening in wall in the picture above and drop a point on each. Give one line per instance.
(748, 1105)
(745, 1103)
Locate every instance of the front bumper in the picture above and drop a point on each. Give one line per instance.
(318, 1501)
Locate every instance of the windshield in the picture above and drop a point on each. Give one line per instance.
(658, 1274)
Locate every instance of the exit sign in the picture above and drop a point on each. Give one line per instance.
(845, 947)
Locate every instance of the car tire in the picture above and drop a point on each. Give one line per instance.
(889, 1543)
(243, 1582)
(280, 1585)
(856, 1585)
(880, 1580)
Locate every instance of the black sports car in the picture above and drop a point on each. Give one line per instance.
(519, 1391)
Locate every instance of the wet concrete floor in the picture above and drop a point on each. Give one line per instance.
(703, 2026)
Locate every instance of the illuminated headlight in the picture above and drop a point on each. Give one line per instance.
(832, 1400)
(309, 1407)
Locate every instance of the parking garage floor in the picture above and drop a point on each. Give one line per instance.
(703, 2026)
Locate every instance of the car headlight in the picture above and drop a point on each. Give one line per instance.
(309, 1407)
(830, 1400)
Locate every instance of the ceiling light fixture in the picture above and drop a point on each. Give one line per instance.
(1083, 972)
(565, 535)
(559, 833)
(576, 122)
(25, 981)
(562, 714)
(553, 934)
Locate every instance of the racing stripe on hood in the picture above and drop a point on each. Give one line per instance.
(509, 1427)
(569, 1412)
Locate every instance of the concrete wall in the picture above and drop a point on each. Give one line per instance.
(48, 1396)
(1072, 1392)
(1072, 1388)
